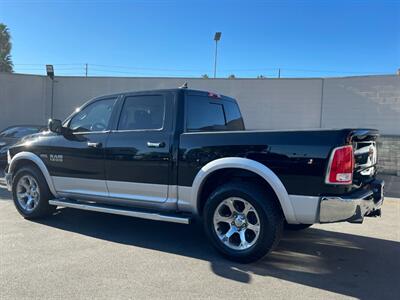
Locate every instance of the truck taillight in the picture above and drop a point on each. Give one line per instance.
(341, 166)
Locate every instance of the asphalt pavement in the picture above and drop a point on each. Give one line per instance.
(85, 255)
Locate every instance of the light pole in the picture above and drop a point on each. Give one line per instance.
(217, 37)
(50, 73)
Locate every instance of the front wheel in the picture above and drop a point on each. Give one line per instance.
(31, 193)
(243, 221)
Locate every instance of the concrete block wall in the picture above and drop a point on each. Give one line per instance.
(369, 102)
(389, 155)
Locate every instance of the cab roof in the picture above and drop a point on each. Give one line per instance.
(173, 90)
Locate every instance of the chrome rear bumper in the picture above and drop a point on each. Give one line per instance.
(354, 207)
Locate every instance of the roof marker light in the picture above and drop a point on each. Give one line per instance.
(213, 95)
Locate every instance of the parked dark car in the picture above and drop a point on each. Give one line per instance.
(13, 134)
(174, 155)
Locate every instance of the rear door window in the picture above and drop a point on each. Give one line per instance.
(143, 113)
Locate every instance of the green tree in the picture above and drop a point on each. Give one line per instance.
(6, 64)
(204, 76)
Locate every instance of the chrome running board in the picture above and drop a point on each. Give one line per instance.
(119, 211)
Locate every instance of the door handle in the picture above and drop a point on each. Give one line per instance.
(155, 144)
(94, 145)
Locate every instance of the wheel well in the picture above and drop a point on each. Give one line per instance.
(222, 176)
(23, 163)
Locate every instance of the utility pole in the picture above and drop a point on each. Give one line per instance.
(217, 37)
(86, 69)
(50, 74)
(279, 73)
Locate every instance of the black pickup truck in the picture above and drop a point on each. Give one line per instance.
(179, 154)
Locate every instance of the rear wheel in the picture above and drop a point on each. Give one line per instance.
(243, 221)
(31, 194)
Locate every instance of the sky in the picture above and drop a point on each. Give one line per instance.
(175, 38)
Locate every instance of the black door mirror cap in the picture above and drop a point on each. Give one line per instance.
(55, 126)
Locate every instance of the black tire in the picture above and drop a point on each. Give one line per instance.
(269, 214)
(296, 227)
(42, 209)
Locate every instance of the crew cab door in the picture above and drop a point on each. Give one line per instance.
(138, 150)
(76, 159)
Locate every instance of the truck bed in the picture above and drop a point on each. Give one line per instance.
(298, 157)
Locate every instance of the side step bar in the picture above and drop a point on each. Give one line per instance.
(119, 211)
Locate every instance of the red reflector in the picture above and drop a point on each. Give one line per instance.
(213, 95)
(341, 166)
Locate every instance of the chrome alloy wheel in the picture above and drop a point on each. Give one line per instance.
(28, 193)
(236, 223)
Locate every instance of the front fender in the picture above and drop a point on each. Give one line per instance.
(38, 162)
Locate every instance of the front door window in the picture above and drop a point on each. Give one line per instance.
(94, 117)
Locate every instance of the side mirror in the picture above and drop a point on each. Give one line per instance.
(55, 126)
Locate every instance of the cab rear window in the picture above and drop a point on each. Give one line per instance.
(208, 114)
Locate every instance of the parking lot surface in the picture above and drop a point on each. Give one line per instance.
(80, 255)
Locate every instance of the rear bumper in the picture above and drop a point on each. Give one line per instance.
(353, 207)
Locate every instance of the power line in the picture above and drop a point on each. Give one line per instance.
(43, 69)
(149, 69)
(36, 64)
(120, 69)
(299, 70)
(97, 70)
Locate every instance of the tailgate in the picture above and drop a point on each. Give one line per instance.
(365, 155)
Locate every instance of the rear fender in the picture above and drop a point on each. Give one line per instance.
(247, 164)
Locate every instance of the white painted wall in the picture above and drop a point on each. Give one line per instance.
(367, 101)
(23, 100)
(271, 104)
